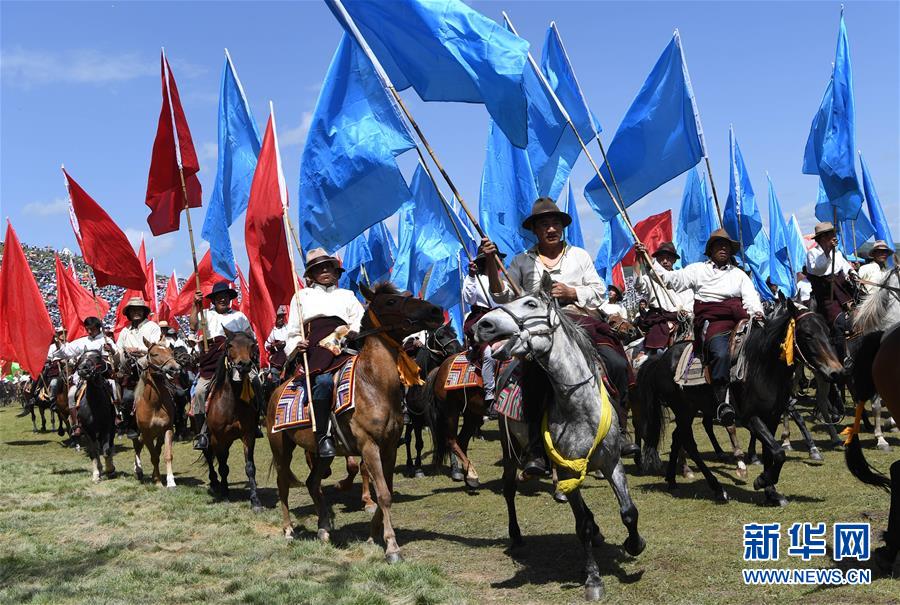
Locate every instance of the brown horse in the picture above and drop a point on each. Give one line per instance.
(231, 413)
(373, 428)
(154, 411)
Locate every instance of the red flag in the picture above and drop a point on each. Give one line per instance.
(75, 302)
(165, 306)
(652, 231)
(618, 276)
(165, 196)
(25, 328)
(149, 279)
(208, 278)
(257, 306)
(103, 245)
(267, 249)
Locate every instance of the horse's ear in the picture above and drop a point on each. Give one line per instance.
(367, 292)
(546, 283)
(792, 308)
(781, 297)
(147, 343)
(228, 333)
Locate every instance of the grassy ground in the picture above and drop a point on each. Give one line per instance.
(65, 540)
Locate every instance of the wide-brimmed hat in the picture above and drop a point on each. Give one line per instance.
(823, 228)
(666, 248)
(281, 310)
(318, 256)
(616, 288)
(135, 301)
(220, 287)
(880, 244)
(59, 330)
(163, 324)
(542, 207)
(721, 234)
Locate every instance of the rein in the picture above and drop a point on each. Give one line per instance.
(406, 365)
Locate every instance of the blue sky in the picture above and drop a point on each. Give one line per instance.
(80, 86)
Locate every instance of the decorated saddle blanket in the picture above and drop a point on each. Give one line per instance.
(509, 399)
(462, 374)
(293, 410)
(689, 371)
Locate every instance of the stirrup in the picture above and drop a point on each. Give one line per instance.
(201, 443)
(325, 447)
(725, 414)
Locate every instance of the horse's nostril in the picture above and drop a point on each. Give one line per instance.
(485, 324)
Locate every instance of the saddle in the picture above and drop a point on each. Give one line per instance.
(736, 342)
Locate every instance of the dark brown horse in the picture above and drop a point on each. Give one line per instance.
(231, 413)
(373, 428)
(154, 411)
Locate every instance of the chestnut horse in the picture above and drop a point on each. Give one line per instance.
(231, 413)
(154, 411)
(373, 428)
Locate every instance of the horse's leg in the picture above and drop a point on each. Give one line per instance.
(673, 457)
(615, 472)
(786, 432)
(155, 447)
(420, 443)
(222, 459)
(368, 504)
(250, 467)
(407, 438)
(352, 467)
(708, 428)
(593, 584)
(773, 458)
(53, 417)
(689, 445)
(42, 410)
(814, 453)
(881, 443)
(213, 478)
(34, 428)
(314, 486)
(741, 470)
(686, 471)
(823, 407)
(168, 438)
(380, 463)
(282, 452)
(509, 482)
(469, 427)
(752, 458)
(138, 467)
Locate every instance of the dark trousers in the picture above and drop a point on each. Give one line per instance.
(718, 359)
(617, 372)
(322, 390)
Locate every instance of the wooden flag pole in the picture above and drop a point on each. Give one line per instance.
(386, 82)
(833, 250)
(287, 229)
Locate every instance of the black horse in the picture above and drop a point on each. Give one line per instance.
(96, 413)
(181, 389)
(439, 345)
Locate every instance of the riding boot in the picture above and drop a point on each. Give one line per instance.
(73, 418)
(322, 410)
(202, 441)
(536, 465)
(724, 411)
(128, 420)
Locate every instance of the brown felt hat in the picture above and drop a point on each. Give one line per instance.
(880, 245)
(721, 234)
(220, 287)
(823, 228)
(666, 248)
(542, 207)
(318, 256)
(136, 301)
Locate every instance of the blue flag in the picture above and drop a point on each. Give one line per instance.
(356, 256)
(616, 243)
(349, 179)
(741, 199)
(447, 52)
(573, 232)
(428, 254)
(876, 212)
(383, 251)
(561, 76)
(757, 256)
(507, 194)
(781, 267)
(852, 234)
(658, 138)
(466, 228)
(239, 145)
(796, 246)
(368, 258)
(832, 140)
(697, 219)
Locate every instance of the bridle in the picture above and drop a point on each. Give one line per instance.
(379, 327)
(797, 348)
(165, 368)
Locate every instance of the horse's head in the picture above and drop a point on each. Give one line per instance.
(522, 327)
(812, 340)
(444, 340)
(240, 352)
(91, 365)
(184, 357)
(399, 313)
(161, 360)
(624, 329)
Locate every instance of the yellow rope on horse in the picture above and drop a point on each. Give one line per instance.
(406, 365)
(579, 465)
(850, 431)
(787, 346)
(247, 390)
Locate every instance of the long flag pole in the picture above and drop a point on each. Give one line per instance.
(386, 82)
(287, 229)
(187, 209)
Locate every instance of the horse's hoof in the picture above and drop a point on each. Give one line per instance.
(323, 535)
(755, 461)
(472, 482)
(457, 475)
(257, 508)
(288, 533)
(741, 473)
(419, 474)
(883, 446)
(34, 430)
(722, 496)
(371, 508)
(759, 482)
(593, 593)
(786, 446)
(688, 476)
(139, 475)
(96, 478)
(560, 497)
(815, 455)
(112, 475)
(634, 545)
(393, 557)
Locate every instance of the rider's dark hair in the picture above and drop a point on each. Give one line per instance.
(92, 322)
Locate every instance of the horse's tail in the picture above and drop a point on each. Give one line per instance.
(652, 418)
(861, 469)
(436, 414)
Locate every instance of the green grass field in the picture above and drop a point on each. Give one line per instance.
(65, 540)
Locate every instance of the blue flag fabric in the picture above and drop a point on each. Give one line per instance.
(697, 219)
(560, 75)
(356, 255)
(616, 243)
(876, 212)
(447, 51)
(239, 145)
(830, 147)
(657, 140)
(796, 246)
(428, 255)
(852, 234)
(757, 256)
(507, 194)
(349, 179)
(741, 199)
(383, 251)
(781, 270)
(573, 232)
(466, 228)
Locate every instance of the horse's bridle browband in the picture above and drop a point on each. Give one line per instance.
(796, 341)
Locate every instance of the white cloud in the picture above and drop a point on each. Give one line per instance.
(296, 136)
(59, 205)
(35, 67)
(208, 151)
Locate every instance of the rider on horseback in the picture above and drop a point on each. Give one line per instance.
(665, 305)
(723, 296)
(219, 318)
(94, 341)
(52, 370)
(324, 308)
(578, 289)
(476, 293)
(613, 305)
(829, 273)
(132, 349)
(876, 270)
(277, 339)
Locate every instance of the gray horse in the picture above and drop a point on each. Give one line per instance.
(535, 328)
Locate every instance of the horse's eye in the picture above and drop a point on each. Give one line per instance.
(391, 301)
(531, 304)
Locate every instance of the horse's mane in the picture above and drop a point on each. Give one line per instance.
(764, 341)
(871, 311)
(578, 335)
(385, 287)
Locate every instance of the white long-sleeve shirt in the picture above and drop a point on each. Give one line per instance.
(318, 301)
(611, 308)
(133, 338)
(574, 269)
(819, 263)
(713, 284)
(277, 334)
(475, 294)
(872, 272)
(655, 294)
(804, 291)
(233, 321)
(72, 350)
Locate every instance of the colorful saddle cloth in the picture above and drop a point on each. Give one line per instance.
(509, 401)
(462, 374)
(293, 409)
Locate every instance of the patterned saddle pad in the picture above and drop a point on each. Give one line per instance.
(462, 374)
(293, 409)
(509, 401)
(689, 371)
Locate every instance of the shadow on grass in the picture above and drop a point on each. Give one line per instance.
(27, 442)
(699, 490)
(52, 572)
